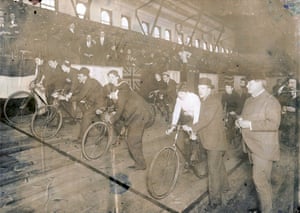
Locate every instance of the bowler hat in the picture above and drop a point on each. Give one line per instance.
(205, 81)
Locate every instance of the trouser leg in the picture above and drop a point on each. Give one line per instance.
(217, 176)
(134, 142)
(262, 179)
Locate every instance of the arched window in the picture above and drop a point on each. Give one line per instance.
(211, 48)
(197, 43)
(48, 4)
(168, 35)
(81, 10)
(125, 22)
(156, 32)
(145, 28)
(222, 50)
(188, 39)
(216, 49)
(180, 38)
(106, 17)
(204, 45)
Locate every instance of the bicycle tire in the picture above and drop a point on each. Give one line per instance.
(19, 107)
(96, 140)
(163, 173)
(46, 122)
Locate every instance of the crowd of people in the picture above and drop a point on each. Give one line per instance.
(251, 117)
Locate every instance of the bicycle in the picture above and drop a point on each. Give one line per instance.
(47, 120)
(164, 169)
(96, 140)
(158, 103)
(21, 105)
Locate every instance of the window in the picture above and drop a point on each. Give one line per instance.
(216, 49)
(168, 35)
(188, 39)
(145, 28)
(81, 9)
(204, 45)
(180, 38)
(156, 32)
(48, 4)
(197, 43)
(222, 50)
(125, 22)
(106, 17)
(211, 48)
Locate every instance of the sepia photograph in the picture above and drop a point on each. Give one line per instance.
(149, 106)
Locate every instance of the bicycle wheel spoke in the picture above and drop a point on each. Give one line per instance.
(95, 141)
(46, 122)
(19, 108)
(163, 173)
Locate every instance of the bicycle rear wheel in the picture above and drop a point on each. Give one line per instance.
(96, 140)
(46, 122)
(163, 173)
(19, 107)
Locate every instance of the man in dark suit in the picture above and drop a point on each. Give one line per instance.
(210, 129)
(170, 91)
(260, 123)
(137, 115)
(90, 98)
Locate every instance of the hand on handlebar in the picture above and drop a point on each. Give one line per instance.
(170, 130)
(190, 132)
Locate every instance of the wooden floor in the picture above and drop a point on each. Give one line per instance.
(52, 176)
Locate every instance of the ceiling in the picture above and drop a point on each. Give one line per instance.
(257, 26)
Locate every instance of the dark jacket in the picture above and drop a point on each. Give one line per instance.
(210, 126)
(131, 106)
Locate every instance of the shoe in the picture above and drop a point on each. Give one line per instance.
(254, 211)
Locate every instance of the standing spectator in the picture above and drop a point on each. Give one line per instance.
(137, 115)
(184, 57)
(260, 122)
(70, 43)
(231, 106)
(243, 92)
(170, 92)
(210, 129)
(103, 49)
(87, 50)
(289, 122)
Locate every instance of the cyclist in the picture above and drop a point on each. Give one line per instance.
(137, 115)
(187, 111)
(91, 99)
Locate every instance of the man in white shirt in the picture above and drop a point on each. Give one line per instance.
(186, 112)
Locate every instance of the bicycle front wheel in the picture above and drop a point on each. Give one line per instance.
(96, 140)
(19, 108)
(163, 173)
(46, 122)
